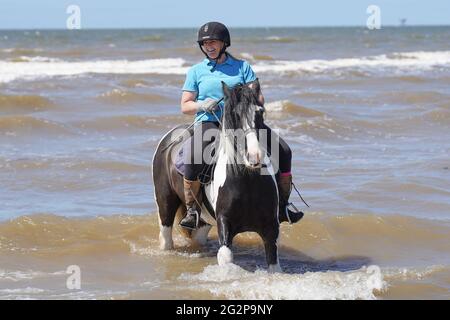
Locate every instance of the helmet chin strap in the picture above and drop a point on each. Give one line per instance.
(222, 51)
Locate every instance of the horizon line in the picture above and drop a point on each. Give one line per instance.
(231, 27)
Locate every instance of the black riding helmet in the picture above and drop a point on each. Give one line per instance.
(214, 31)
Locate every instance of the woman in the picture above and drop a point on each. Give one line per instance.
(202, 92)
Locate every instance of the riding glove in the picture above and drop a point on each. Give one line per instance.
(209, 105)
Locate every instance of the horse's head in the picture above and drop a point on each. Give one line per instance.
(244, 118)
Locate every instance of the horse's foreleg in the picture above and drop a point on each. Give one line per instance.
(224, 255)
(271, 248)
(272, 256)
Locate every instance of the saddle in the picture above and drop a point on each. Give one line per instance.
(205, 175)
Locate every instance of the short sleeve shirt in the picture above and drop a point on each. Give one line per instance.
(206, 80)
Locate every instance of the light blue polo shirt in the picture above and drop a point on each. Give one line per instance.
(208, 84)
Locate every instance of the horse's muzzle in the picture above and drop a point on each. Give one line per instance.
(253, 160)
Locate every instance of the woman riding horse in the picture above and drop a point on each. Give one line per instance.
(202, 97)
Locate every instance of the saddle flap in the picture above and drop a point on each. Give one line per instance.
(205, 175)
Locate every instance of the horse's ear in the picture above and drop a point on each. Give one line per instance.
(226, 89)
(254, 85)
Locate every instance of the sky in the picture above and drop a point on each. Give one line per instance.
(120, 14)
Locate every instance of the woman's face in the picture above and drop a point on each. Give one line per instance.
(212, 48)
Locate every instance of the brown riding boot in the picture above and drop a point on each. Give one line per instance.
(193, 199)
(284, 190)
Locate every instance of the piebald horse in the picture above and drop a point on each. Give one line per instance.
(242, 195)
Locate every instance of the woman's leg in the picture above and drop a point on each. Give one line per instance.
(194, 165)
(284, 176)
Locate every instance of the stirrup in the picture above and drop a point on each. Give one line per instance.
(293, 215)
(199, 222)
(187, 222)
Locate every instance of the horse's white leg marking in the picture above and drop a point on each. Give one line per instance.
(165, 238)
(224, 256)
(200, 235)
(275, 268)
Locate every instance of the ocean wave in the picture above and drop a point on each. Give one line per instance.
(409, 62)
(24, 103)
(23, 275)
(233, 282)
(270, 39)
(119, 96)
(134, 83)
(397, 63)
(21, 51)
(50, 233)
(254, 57)
(411, 98)
(37, 69)
(415, 273)
(151, 38)
(35, 59)
(15, 124)
(71, 164)
(127, 122)
(289, 107)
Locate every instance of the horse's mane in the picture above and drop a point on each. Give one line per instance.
(240, 106)
(237, 106)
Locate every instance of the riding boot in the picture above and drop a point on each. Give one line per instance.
(284, 189)
(193, 201)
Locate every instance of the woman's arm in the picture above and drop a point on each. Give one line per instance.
(188, 104)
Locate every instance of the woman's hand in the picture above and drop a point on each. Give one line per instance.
(209, 105)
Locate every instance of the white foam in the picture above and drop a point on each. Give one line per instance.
(26, 275)
(401, 62)
(39, 59)
(27, 290)
(276, 106)
(247, 56)
(414, 273)
(407, 61)
(233, 282)
(152, 251)
(38, 67)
